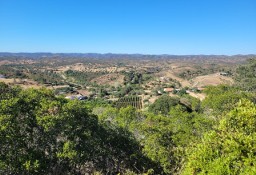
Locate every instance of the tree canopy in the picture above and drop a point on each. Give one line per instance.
(230, 149)
(45, 134)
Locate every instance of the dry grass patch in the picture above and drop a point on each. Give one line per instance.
(212, 79)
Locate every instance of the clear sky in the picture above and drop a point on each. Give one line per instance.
(129, 26)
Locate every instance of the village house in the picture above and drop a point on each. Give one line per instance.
(168, 90)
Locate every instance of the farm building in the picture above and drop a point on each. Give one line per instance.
(168, 90)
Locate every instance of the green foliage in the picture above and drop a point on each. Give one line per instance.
(106, 114)
(44, 134)
(193, 103)
(187, 126)
(82, 77)
(126, 116)
(6, 92)
(13, 71)
(163, 105)
(128, 89)
(223, 98)
(199, 70)
(164, 138)
(133, 78)
(230, 149)
(32, 72)
(103, 92)
(146, 77)
(246, 77)
(68, 151)
(97, 102)
(157, 141)
(63, 90)
(180, 92)
(46, 77)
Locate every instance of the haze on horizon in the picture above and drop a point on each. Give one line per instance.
(178, 27)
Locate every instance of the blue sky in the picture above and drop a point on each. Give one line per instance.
(129, 26)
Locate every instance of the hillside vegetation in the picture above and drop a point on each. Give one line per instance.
(45, 133)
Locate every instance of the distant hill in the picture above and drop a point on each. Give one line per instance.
(39, 55)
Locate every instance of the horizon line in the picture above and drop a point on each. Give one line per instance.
(115, 53)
